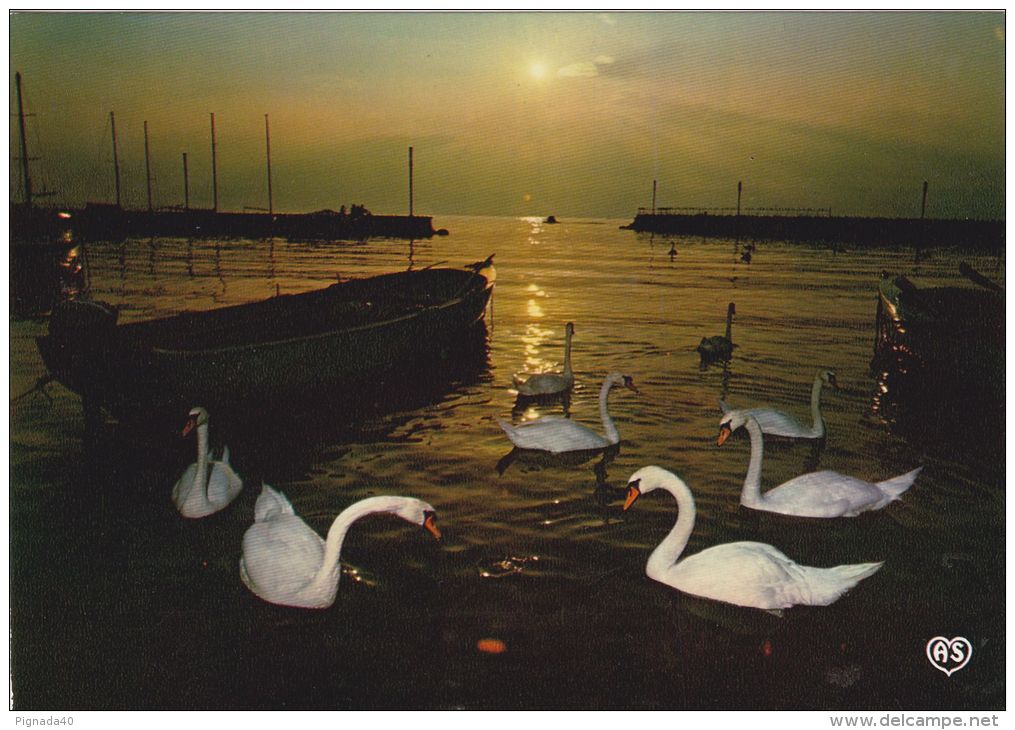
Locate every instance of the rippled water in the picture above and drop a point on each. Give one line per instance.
(117, 602)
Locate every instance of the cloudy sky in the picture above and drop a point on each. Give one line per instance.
(572, 114)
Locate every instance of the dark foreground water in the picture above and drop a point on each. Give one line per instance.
(118, 603)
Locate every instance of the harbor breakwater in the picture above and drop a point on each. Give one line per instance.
(97, 221)
(839, 229)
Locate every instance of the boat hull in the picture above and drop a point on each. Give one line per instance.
(282, 348)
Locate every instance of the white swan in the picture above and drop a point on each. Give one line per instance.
(777, 423)
(818, 494)
(557, 435)
(742, 573)
(550, 383)
(284, 561)
(206, 485)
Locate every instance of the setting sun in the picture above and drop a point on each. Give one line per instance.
(537, 71)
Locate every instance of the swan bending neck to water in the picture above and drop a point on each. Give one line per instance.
(818, 494)
(285, 562)
(206, 486)
(550, 383)
(750, 574)
(777, 423)
(557, 435)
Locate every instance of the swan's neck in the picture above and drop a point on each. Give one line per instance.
(816, 404)
(751, 495)
(609, 429)
(330, 571)
(201, 472)
(567, 354)
(665, 555)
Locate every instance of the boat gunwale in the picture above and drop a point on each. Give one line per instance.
(320, 335)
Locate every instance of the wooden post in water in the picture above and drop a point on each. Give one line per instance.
(923, 205)
(116, 160)
(24, 144)
(186, 185)
(654, 197)
(267, 145)
(147, 167)
(214, 171)
(410, 182)
(740, 189)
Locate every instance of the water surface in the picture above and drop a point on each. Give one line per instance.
(117, 602)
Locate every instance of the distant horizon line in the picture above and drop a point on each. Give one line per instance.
(519, 216)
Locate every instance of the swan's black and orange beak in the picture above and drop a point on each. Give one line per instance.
(724, 433)
(629, 384)
(189, 425)
(430, 523)
(833, 382)
(633, 492)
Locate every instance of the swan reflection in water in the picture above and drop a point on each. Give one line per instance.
(524, 404)
(568, 459)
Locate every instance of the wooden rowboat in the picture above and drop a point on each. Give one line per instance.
(276, 348)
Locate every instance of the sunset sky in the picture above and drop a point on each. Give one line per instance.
(571, 114)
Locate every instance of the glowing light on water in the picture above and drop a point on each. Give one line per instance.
(491, 646)
(510, 565)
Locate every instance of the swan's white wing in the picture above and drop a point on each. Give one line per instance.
(824, 494)
(271, 503)
(742, 573)
(223, 484)
(757, 575)
(280, 556)
(181, 490)
(777, 423)
(553, 434)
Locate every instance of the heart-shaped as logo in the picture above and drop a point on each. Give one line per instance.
(949, 655)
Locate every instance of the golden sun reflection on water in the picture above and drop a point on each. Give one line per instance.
(536, 228)
(533, 340)
(531, 414)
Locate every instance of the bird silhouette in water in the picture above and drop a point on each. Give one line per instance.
(720, 347)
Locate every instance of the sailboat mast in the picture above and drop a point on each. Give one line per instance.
(116, 160)
(267, 145)
(24, 144)
(410, 182)
(214, 170)
(186, 184)
(147, 167)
